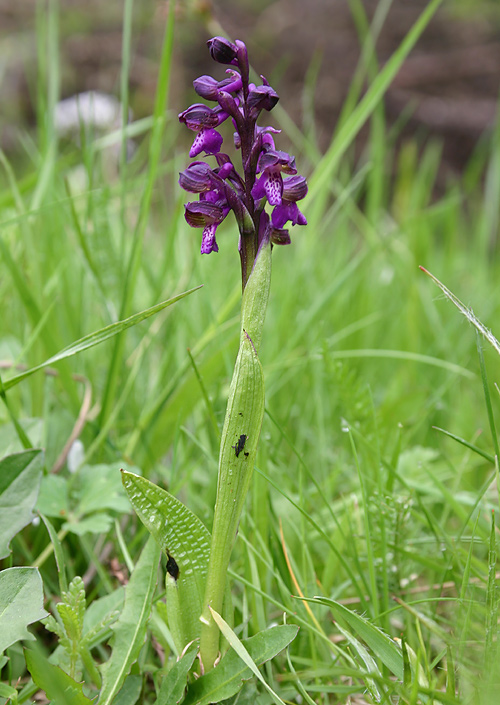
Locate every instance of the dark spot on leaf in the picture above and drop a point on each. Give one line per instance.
(172, 567)
(238, 447)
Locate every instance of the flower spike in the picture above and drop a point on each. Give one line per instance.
(268, 175)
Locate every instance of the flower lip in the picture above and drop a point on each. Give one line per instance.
(199, 214)
(222, 50)
(207, 140)
(287, 211)
(198, 115)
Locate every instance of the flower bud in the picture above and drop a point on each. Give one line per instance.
(206, 87)
(222, 50)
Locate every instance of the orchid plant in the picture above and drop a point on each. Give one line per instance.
(263, 196)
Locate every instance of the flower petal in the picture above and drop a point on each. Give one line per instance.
(198, 116)
(294, 188)
(196, 178)
(202, 213)
(207, 140)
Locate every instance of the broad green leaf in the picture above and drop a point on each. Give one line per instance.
(130, 692)
(59, 687)
(381, 644)
(186, 540)
(21, 603)
(174, 684)
(97, 337)
(53, 499)
(129, 631)
(226, 678)
(100, 487)
(19, 482)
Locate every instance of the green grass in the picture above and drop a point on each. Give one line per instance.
(357, 497)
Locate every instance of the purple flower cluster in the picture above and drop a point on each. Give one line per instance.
(269, 175)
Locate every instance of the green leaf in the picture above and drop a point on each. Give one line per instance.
(226, 678)
(19, 482)
(130, 692)
(6, 691)
(174, 684)
(182, 535)
(97, 337)
(21, 603)
(100, 488)
(53, 499)
(59, 687)
(130, 629)
(243, 654)
(381, 644)
(98, 523)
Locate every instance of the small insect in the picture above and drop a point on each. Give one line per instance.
(172, 567)
(238, 447)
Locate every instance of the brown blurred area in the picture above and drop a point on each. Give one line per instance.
(448, 86)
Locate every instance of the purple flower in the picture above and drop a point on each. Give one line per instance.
(207, 213)
(270, 184)
(268, 175)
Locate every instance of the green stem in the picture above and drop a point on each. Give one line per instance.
(240, 436)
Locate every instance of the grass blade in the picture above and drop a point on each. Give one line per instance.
(97, 337)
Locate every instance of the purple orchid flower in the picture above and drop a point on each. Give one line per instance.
(269, 176)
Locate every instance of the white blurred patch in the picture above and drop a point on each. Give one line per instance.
(75, 456)
(99, 111)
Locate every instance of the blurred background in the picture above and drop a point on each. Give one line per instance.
(447, 88)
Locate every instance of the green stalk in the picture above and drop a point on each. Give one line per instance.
(240, 436)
